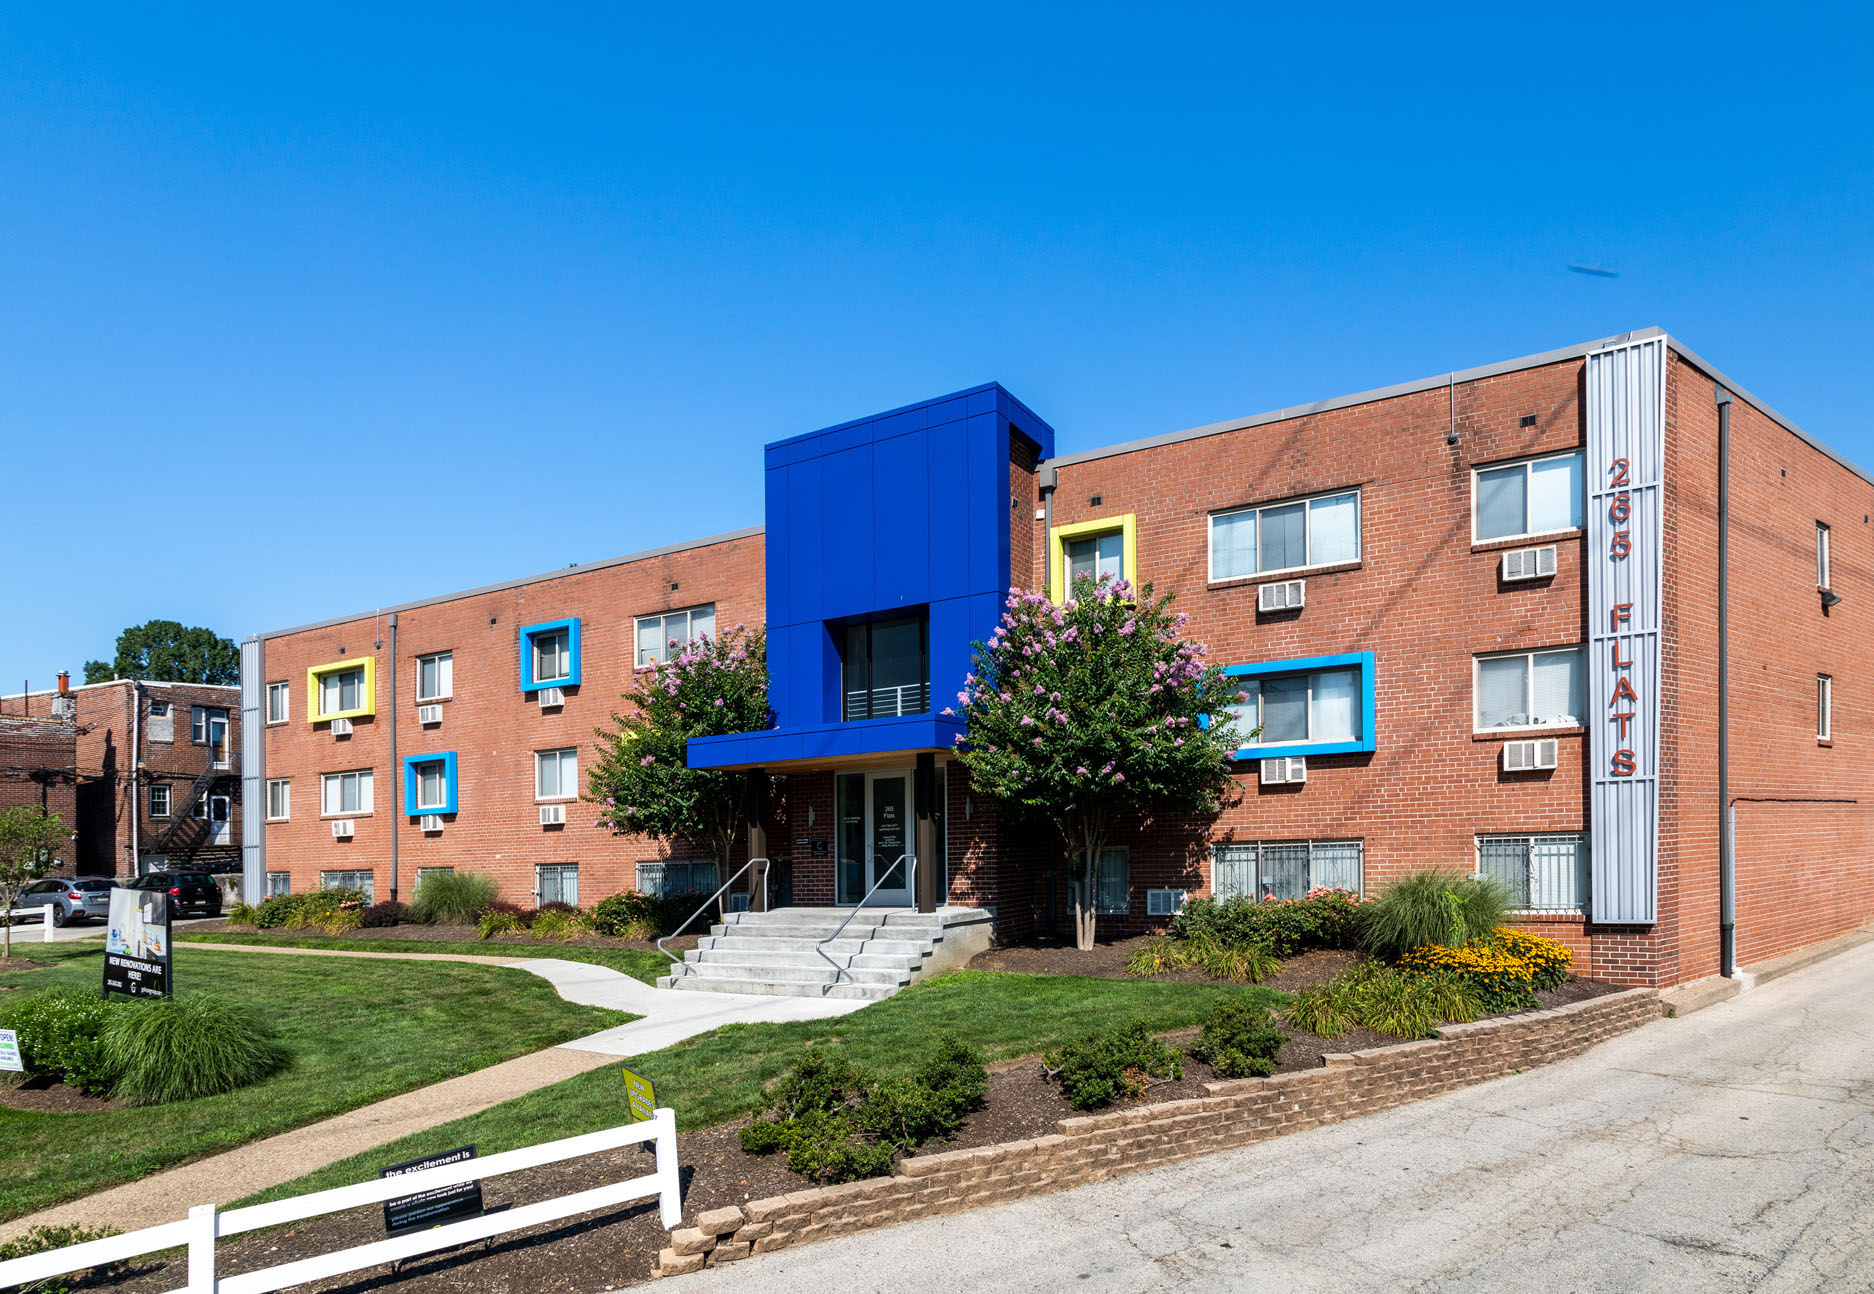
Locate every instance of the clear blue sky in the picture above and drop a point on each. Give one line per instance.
(307, 313)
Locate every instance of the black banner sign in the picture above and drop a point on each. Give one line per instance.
(432, 1208)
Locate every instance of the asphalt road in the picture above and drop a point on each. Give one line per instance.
(1729, 1150)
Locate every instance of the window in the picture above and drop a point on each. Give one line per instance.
(278, 698)
(885, 669)
(350, 881)
(429, 783)
(1821, 556)
(661, 880)
(435, 676)
(1285, 536)
(556, 774)
(279, 883)
(550, 655)
(200, 810)
(1533, 497)
(1106, 548)
(279, 798)
(1319, 706)
(1112, 883)
(557, 883)
(1542, 873)
(203, 721)
(656, 635)
(424, 873)
(1529, 689)
(347, 793)
(1824, 706)
(1096, 557)
(159, 800)
(1287, 869)
(340, 690)
(159, 709)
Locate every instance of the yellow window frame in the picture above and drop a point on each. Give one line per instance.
(1127, 527)
(369, 691)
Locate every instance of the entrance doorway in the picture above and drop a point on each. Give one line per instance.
(876, 813)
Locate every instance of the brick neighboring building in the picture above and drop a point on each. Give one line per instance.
(157, 774)
(1502, 656)
(39, 768)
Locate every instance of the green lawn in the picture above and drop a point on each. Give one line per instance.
(359, 1031)
(635, 962)
(718, 1076)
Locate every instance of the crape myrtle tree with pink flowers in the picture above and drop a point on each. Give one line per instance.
(642, 783)
(1093, 709)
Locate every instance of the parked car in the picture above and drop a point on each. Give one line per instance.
(187, 890)
(70, 898)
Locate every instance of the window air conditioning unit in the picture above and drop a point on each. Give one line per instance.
(1529, 756)
(551, 696)
(341, 829)
(429, 714)
(552, 815)
(431, 822)
(1289, 768)
(1286, 596)
(341, 727)
(1163, 903)
(1529, 564)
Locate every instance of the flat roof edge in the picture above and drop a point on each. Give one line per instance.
(1717, 375)
(646, 555)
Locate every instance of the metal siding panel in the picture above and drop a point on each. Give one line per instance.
(806, 485)
(985, 501)
(780, 542)
(947, 468)
(847, 550)
(1626, 420)
(901, 526)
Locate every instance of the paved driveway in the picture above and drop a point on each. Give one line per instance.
(29, 933)
(1729, 1150)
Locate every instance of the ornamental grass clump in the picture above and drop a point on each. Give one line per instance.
(189, 1047)
(1103, 1067)
(1244, 963)
(453, 898)
(1441, 908)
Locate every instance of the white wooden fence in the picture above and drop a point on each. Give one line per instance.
(45, 917)
(206, 1223)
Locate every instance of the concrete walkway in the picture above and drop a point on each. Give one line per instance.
(667, 1018)
(1728, 1150)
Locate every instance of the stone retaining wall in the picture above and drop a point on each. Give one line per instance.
(1092, 1147)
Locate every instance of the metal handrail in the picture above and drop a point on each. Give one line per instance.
(677, 961)
(910, 880)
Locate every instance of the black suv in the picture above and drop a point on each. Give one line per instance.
(196, 890)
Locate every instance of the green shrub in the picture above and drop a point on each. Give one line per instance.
(453, 898)
(388, 913)
(1392, 1002)
(1102, 1067)
(297, 911)
(499, 923)
(562, 924)
(1239, 963)
(1239, 1040)
(39, 1240)
(61, 1034)
(1322, 1010)
(242, 914)
(189, 1047)
(822, 1148)
(1325, 918)
(632, 915)
(1431, 908)
(341, 921)
(1154, 957)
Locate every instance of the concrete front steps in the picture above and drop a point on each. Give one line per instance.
(881, 951)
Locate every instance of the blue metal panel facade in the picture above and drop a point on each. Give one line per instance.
(902, 512)
(410, 765)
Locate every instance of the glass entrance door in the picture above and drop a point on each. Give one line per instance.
(875, 838)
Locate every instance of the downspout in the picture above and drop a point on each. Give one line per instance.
(136, 771)
(1727, 838)
(396, 769)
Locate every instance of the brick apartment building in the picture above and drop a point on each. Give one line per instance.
(1479, 617)
(153, 769)
(39, 767)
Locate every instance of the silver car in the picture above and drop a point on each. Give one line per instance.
(70, 899)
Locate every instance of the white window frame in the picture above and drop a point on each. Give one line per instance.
(1217, 891)
(559, 756)
(284, 886)
(337, 879)
(1583, 881)
(285, 785)
(663, 631)
(337, 677)
(1359, 706)
(445, 676)
(1821, 555)
(366, 793)
(198, 733)
(1528, 465)
(564, 638)
(283, 693)
(1529, 677)
(168, 799)
(1307, 543)
(1824, 707)
(418, 769)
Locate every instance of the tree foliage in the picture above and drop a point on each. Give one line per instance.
(1095, 708)
(642, 781)
(167, 651)
(30, 844)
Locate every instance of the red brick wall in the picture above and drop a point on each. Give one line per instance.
(38, 760)
(493, 726)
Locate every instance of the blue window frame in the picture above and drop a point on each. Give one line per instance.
(1319, 705)
(433, 773)
(554, 644)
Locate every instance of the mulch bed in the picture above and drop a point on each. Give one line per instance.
(17, 963)
(1107, 960)
(45, 1096)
